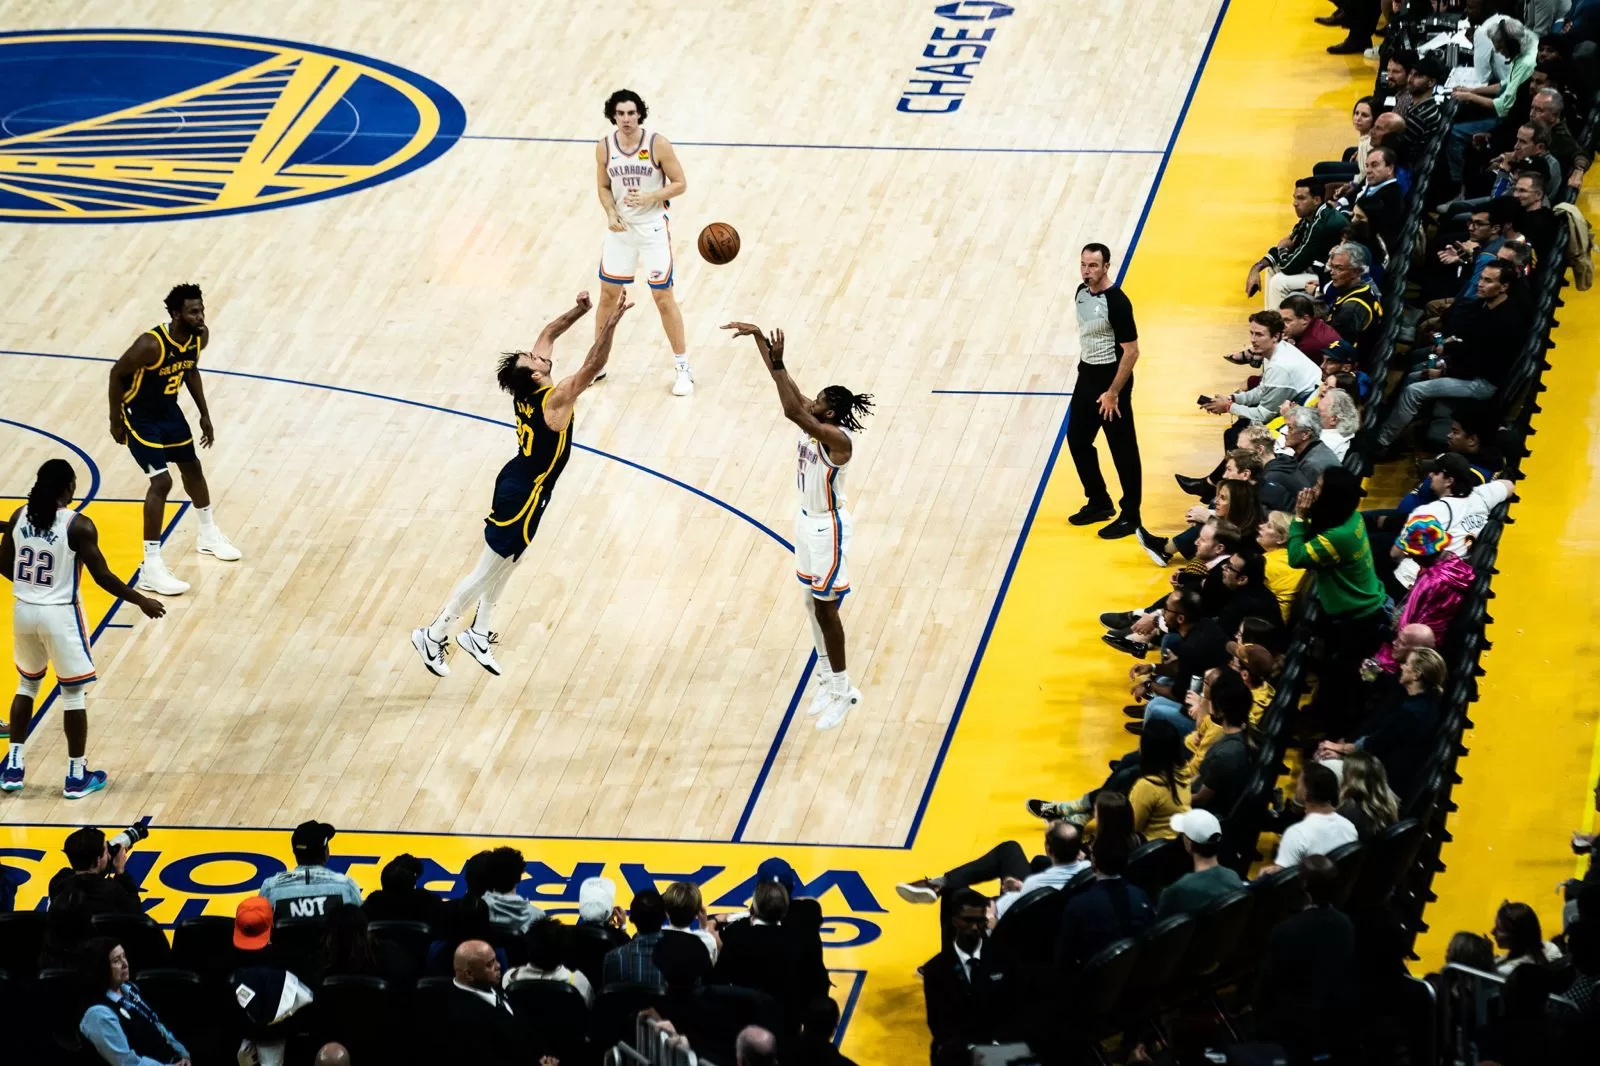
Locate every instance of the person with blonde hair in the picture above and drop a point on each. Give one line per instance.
(1364, 795)
(1402, 730)
(1283, 577)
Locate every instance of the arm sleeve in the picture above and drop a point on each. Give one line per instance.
(350, 892)
(1261, 403)
(1119, 312)
(1141, 798)
(1309, 552)
(1290, 850)
(99, 1027)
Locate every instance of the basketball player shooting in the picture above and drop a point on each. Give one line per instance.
(637, 175)
(544, 410)
(823, 528)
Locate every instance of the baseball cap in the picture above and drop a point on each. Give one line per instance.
(596, 897)
(1423, 536)
(1199, 826)
(1451, 464)
(1340, 351)
(778, 870)
(252, 924)
(311, 838)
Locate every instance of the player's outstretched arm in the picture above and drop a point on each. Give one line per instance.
(85, 540)
(558, 404)
(795, 407)
(144, 352)
(197, 393)
(561, 323)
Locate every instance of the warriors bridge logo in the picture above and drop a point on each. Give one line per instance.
(146, 125)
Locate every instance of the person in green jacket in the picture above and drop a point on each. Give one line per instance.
(1329, 538)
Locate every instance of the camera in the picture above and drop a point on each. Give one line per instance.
(130, 836)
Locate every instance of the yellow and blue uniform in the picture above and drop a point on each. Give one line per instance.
(522, 488)
(158, 433)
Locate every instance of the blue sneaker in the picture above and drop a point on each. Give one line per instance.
(10, 778)
(79, 787)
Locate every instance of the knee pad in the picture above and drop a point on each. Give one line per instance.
(74, 698)
(28, 686)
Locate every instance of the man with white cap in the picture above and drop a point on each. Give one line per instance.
(1201, 834)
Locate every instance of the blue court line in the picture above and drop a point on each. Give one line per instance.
(772, 751)
(442, 410)
(94, 471)
(857, 982)
(995, 392)
(105, 623)
(1055, 449)
(968, 149)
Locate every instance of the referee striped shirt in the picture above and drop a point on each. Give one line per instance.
(1105, 324)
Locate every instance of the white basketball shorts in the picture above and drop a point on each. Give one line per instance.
(52, 635)
(620, 254)
(822, 551)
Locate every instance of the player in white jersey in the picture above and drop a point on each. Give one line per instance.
(44, 545)
(823, 527)
(638, 174)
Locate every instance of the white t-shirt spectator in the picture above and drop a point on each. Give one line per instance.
(1051, 877)
(1287, 374)
(1315, 834)
(1463, 517)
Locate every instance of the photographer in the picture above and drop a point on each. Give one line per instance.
(95, 883)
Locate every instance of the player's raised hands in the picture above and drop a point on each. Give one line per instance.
(583, 301)
(744, 329)
(775, 344)
(616, 312)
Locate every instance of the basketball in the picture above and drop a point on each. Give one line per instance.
(719, 243)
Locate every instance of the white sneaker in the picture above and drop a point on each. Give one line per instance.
(684, 385)
(155, 577)
(819, 698)
(212, 542)
(476, 645)
(1369, 53)
(432, 652)
(838, 707)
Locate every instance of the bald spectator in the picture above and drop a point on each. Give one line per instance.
(479, 1021)
(1546, 107)
(755, 1047)
(332, 1055)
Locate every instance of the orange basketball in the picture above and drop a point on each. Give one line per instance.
(719, 243)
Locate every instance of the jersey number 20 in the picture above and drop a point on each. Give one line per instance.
(36, 569)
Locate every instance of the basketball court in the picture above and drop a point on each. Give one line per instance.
(378, 201)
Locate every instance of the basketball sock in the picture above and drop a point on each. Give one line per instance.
(480, 618)
(208, 522)
(680, 361)
(439, 628)
(152, 551)
(839, 683)
(77, 767)
(14, 754)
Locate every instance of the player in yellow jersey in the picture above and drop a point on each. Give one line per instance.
(544, 410)
(145, 416)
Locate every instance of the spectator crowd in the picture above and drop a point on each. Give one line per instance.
(1303, 679)
(308, 971)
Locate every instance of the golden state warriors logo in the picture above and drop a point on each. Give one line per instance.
(143, 125)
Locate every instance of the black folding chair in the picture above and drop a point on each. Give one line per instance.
(297, 943)
(204, 944)
(178, 997)
(1348, 859)
(1219, 927)
(359, 1012)
(1155, 865)
(1389, 856)
(616, 1011)
(413, 938)
(141, 938)
(726, 1010)
(555, 1018)
(21, 940)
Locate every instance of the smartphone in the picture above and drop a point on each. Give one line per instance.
(1195, 684)
(1201, 401)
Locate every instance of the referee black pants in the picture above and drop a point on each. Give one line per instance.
(1084, 424)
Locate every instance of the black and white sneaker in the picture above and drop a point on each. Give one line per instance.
(433, 652)
(477, 645)
(1153, 546)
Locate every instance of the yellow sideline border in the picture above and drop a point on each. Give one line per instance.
(1042, 717)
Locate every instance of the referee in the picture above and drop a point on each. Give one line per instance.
(1108, 346)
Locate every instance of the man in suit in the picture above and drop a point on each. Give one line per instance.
(964, 996)
(765, 954)
(481, 1027)
(1104, 911)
